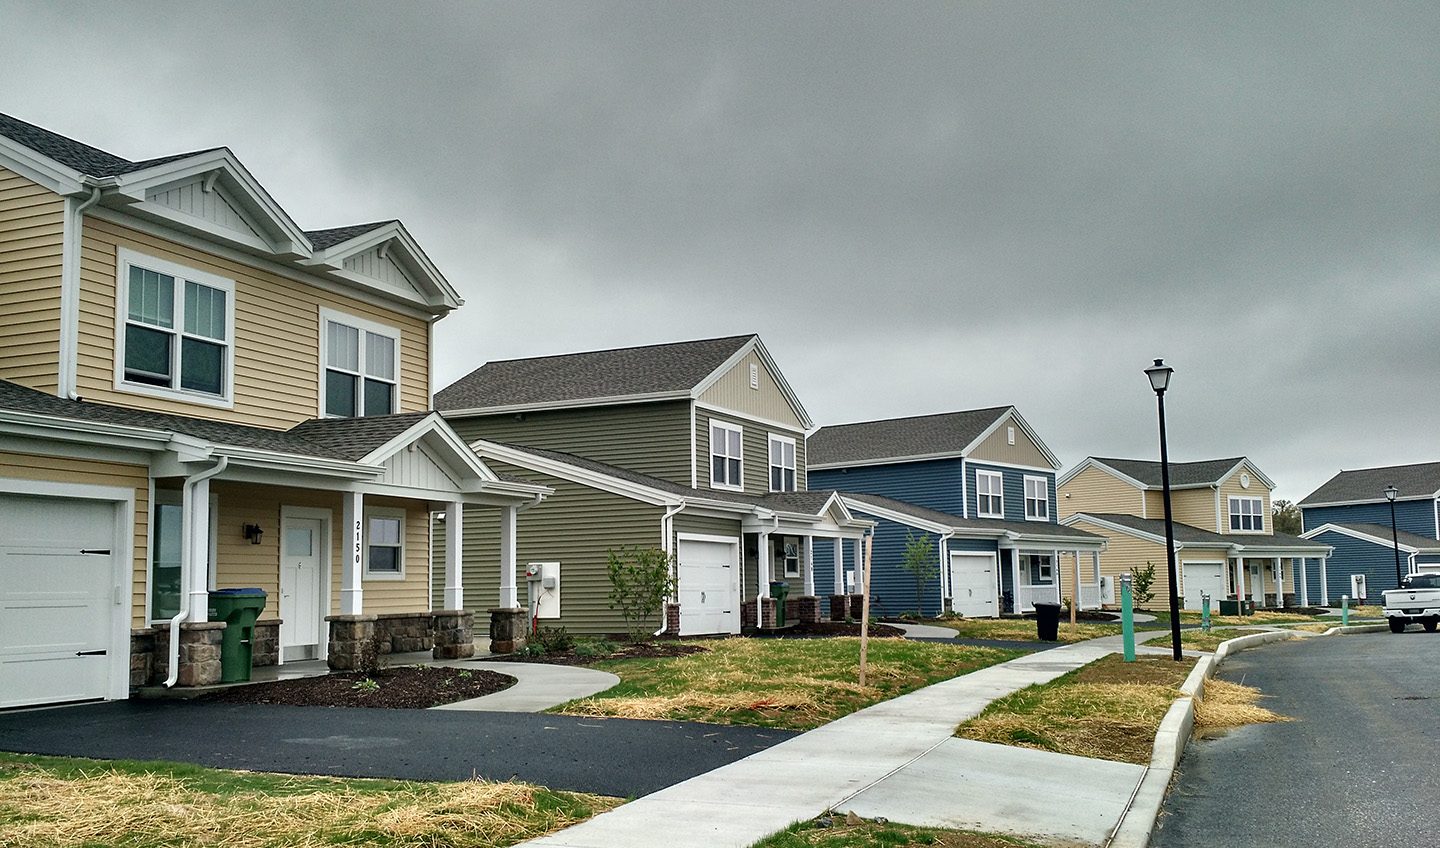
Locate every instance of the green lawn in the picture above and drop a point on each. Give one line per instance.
(870, 834)
(797, 684)
(51, 802)
(1023, 629)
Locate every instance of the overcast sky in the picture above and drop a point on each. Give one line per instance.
(919, 207)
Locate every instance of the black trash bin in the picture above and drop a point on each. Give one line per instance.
(779, 590)
(1047, 622)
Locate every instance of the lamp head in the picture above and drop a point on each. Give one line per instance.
(1391, 493)
(1159, 375)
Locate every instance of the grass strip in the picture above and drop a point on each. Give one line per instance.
(836, 832)
(795, 684)
(50, 802)
(1107, 710)
(1023, 630)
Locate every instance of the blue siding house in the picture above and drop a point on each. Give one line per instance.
(1352, 513)
(981, 485)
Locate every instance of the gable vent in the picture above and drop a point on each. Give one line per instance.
(754, 376)
(1010, 435)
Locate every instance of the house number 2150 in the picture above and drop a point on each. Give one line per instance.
(357, 542)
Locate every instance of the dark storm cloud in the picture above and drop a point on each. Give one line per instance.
(920, 207)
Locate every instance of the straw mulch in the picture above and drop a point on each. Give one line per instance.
(39, 809)
(1224, 705)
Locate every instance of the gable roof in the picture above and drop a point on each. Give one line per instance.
(1380, 535)
(77, 155)
(650, 372)
(918, 436)
(859, 501)
(1146, 472)
(321, 239)
(1187, 534)
(1367, 485)
(356, 438)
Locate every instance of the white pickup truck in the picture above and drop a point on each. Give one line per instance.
(1417, 601)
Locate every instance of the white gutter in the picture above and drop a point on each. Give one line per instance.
(70, 293)
(187, 564)
(667, 542)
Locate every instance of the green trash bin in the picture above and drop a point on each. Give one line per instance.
(779, 590)
(239, 609)
(1234, 607)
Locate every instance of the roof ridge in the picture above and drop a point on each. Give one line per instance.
(918, 417)
(618, 349)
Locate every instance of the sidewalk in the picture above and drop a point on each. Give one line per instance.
(877, 757)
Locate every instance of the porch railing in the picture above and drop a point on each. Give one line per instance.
(1090, 596)
(1027, 596)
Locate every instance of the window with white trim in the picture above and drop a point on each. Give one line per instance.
(789, 555)
(726, 456)
(385, 543)
(782, 463)
(360, 366)
(1247, 514)
(177, 329)
(989, 494)
(1037, 499)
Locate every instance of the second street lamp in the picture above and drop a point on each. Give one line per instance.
(1159, 375)
(1391, 493)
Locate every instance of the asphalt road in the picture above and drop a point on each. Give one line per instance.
(1359, 765)
(616, 757)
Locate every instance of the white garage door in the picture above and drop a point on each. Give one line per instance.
(1207, 577)
(709, 586)
(56, 572)
(972, 584)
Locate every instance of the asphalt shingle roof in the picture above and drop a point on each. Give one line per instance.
(1188, 533)
(355, 438)
(1368, 484)
(1382, 532)
(322, 239)
(921, 435)
(621, 372)
(77, 156)
(1033, 528)
(1181, 473)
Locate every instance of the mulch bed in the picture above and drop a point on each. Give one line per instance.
(631, 651)
(826, 628)
(407, 688)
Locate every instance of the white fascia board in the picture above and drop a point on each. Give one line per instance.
(1083, 464)
(1260, 551)
(1129, 531)
(1367, 501)
(1115, 473)
(1245, 462)
(576, 474)
(581, 403)
(787, 429)
(40, 169)
(1014, 415)
(887, 460)
(756, 345)
(896, 516)
(1064, 542)
(335, 256)
(34, 425)
(444, 437)
(257, 458)
(1366, 537)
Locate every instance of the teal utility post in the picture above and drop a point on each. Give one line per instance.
(1344, 610)
(1205, 611)
(1127, 617)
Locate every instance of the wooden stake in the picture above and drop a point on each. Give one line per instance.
(865, 610)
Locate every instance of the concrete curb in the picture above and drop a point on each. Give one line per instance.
(1357, 628)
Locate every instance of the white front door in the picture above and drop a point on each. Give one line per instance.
(708, 586)
(1207, 577)
(972, 584)
(1257, 584)
(301, 570)
(56, 605)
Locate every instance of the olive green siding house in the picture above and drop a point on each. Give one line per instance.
(696, 448)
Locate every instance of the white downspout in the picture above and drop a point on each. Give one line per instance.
(946, 590)
(70, 297)
(667, 544)
(187, 565)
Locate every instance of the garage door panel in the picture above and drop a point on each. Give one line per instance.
(1204, 577)
(54, 680)
(972, 584)
(707, 589)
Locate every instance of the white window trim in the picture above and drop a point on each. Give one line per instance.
(124, 258)
(979, 494)
(710, 473)
(1044, 499)
(794, 469)
(1231, 513)
(799, 558)
(365, 326)
(384, 512)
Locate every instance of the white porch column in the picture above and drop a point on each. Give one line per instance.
(1095, 573)
(454, 573)
(762, 571)
(1015, 580)
(196, 516)
(509, 598)
(352, 597)
(808, 569)
(1075, 602)
(1304, 587)
(1239, 578)
(839, 553)
(1279, 583)
(858, 547)
(1324, 586)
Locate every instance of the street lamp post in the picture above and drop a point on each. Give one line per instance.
(1391, 493)
(1159, 375)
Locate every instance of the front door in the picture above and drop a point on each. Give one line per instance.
(301, 570)
(1257, 585)
(972, 584)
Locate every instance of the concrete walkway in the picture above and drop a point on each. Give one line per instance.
(538, 686)
(922, 631)
(889, 759)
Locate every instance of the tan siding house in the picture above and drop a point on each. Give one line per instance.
(32, 226)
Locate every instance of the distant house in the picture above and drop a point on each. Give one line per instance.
(981, 484)
(1351, 513)
(1225, 545)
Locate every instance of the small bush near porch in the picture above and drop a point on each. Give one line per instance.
(795, 684)
(51, 802)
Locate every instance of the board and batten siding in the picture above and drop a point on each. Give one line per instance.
(55, 469)
(576, 526)
(649, 438)
(32, 229)
(997, 448)
(1094, 490)
(277, 334)
(755, 449)
(766, 401)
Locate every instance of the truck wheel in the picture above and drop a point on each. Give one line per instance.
(1397, 625)
(1430, 624)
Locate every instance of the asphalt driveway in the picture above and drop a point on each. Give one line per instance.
(1360, 765)
(616, 757)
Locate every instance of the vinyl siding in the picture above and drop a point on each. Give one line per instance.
(755, 459)
(32, 228)
(1013, 483)
(997, 448)
(56, 469)
(709, 526)
(1416, 517)
(1355, 556)
(732, 391)
(577, 527)
(1094, 490)
(892, 588)
(1195, 507)
(651, 438)
(277, 335)
(1230, 488)
(1125, 552)
(934, 484)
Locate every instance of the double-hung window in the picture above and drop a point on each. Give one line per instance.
(1037, 499)
(177, 332)
(726, 456)
(360, 366)
(782, 463)
(384, 543)
(1247, 514)
(989, 494)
